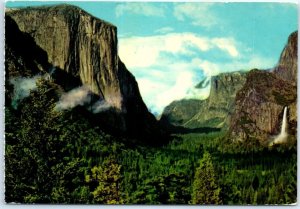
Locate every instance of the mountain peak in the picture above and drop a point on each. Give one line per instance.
(287, 65)
(67, 10)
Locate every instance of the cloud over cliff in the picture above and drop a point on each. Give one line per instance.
(168, 66)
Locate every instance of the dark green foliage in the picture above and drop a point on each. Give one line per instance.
(46, 154)
(163, 190)
(32, 148)
(107, 179)
(49, 156)
(205, 187)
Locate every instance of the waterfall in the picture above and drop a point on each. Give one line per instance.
(284, 123)
(282, 137)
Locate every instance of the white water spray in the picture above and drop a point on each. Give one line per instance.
(284, 123)
(282, 137)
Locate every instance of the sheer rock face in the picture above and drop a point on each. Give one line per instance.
(77, 43)
(260, 103)
(84, 50)
(287, 66)
(219, 104)
(213, 112)
(259, 106)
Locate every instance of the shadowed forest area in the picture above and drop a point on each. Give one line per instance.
(81, 164)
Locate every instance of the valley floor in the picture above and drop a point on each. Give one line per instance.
(54, 157)
(243, 176)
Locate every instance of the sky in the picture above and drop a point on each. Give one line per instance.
(170, 47)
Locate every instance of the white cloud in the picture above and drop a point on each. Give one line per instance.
(227, 45)
(164, 30)
(22, 88)
(73, 98)
(81, 96)
(184, 80)
(210, 68)
(145, 51)
(167, 67)
(141, 8)
(198, 13)
(101, 106)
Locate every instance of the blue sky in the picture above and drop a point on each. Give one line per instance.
(170, 47)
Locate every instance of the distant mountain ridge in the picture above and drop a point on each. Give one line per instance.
(249, 104)
(212, 112)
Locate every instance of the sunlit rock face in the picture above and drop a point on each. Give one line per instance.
(84, 51)
(77, 43)
(287, 66)
(259, 105)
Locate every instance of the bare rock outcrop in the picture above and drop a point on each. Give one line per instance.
(77, 43)
(260, 104)
(83, 50)
(287, 65)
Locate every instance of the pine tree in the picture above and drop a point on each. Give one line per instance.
(107, 178)
(39, 167)
(205, 187)
(32, 149)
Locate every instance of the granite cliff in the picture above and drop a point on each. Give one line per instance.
(79, 50)
(77, 43)
(287, 65)
(213, 112)
(259, 105)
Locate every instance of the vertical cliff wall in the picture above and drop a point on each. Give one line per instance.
(212, 112)
(84, 51)
(77, 43)
(287, 65)
(260, 103)
(219, 104)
